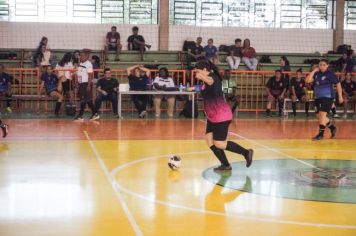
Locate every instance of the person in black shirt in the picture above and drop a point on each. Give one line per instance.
(139, 82)
(298, 93)
(107, 89)
(113, 43)
(195, 52)
(5, 87)
(136, 42)
(349, 93)
(276, 89)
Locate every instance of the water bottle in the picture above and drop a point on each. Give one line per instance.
(188, 85)
(181, 87)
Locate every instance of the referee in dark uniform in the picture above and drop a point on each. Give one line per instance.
(324, 81)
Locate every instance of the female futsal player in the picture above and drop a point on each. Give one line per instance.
(219, 116)
(4, 128)
(324, 81)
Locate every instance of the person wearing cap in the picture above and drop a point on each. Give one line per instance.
(85, 78)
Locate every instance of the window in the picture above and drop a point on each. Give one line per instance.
(85, 11)
(252, 13)
(350, 14)
(4, 10)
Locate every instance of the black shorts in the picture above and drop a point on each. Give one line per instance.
(219, 130)
(67, 86)
(112, 48)
(83, 93)
(49, 92)
(323, 104)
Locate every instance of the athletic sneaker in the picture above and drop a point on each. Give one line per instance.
(249, 157)
(5, 130)
(318, 137)
(142, 114)
(79, 118)
(222, 168)
(344, 116)
(95, 117)
(8, 109)
(333, 132)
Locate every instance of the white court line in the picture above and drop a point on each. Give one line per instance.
(273, 150)
(112, 182)
(203, 211)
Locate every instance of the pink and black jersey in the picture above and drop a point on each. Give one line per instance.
(215, 106)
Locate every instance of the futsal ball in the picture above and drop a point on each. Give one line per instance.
(174, 162)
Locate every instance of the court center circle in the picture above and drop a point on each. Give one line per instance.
(333, 181)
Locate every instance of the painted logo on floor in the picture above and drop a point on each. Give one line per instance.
(323, 180)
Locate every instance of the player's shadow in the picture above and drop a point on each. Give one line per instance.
(219, 197)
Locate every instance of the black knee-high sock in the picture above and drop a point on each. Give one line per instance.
(220, 154)
(280, 106)
(82, 107)
(294, 107)
(234, 147)
(330, 125)
(58, 107)
(307, 107)
(321, 130)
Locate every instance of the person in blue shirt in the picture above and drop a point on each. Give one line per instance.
(324, 81)
(53, 87)
(139, 81)
(5, 87)
(211, 52)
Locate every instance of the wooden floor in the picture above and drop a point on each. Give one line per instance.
(59, 177)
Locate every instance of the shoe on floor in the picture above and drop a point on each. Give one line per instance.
(95, 117)
(222, 168)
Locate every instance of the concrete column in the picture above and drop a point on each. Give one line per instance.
(163, 30)
(338, 33)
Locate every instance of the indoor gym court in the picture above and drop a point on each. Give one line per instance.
(111, 177)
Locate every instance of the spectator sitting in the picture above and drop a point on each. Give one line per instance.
(76, 58)
(165, 83)
(211, 52)
(139, 82)
(136, 42)
(113, 43)
(249, 55)
(276, 89)
(349, 93)
(53, 87)
(298, 92)
(107, 89)
(195, 53)
(65, 75)
(234, 57)
(5, 87)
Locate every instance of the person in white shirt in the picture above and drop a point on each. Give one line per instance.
(85, 78)
(165, 83)
(65, 75)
